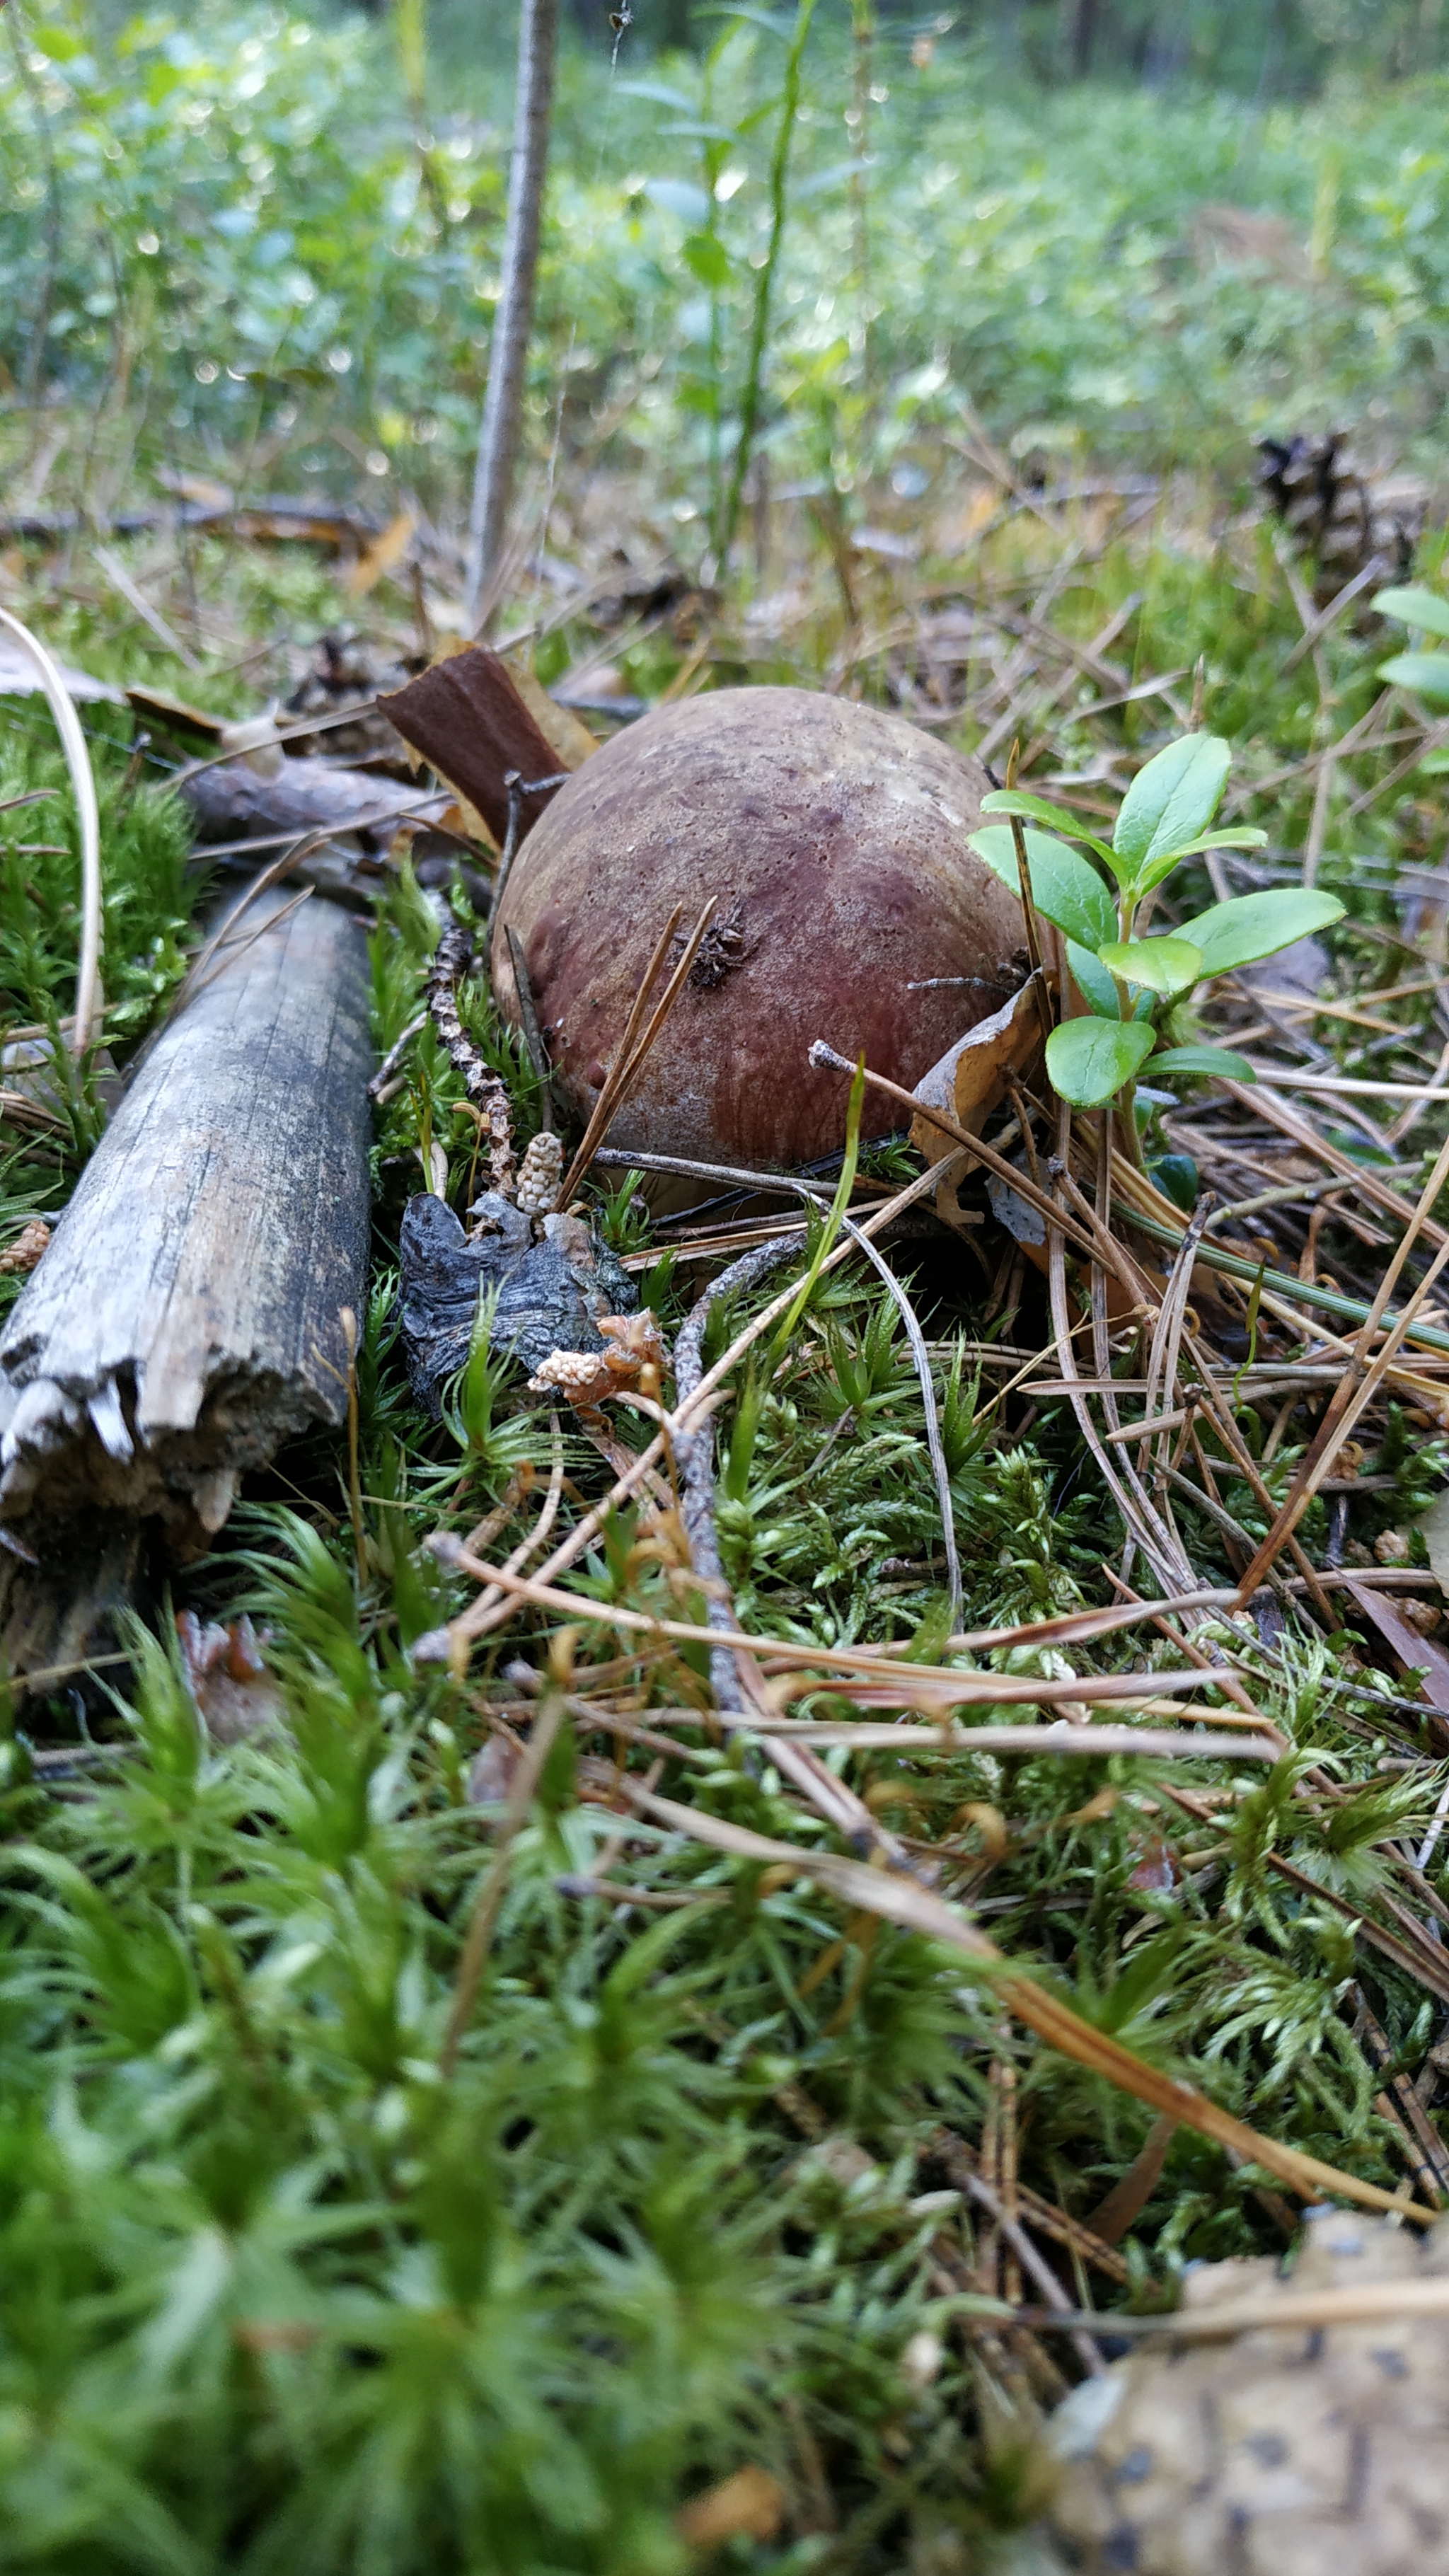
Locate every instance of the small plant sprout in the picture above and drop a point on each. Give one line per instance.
(1134, 987)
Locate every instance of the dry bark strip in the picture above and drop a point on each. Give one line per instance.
(185, 1319)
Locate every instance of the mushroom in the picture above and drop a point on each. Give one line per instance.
(848, 907)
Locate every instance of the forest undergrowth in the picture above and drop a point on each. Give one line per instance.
(680, 2218)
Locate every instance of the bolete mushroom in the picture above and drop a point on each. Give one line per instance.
(849, 908)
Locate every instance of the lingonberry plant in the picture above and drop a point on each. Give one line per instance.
(1426, 674)
(1134, 985)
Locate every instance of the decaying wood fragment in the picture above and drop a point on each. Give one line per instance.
(185, 1318)
(230, 800)
(548, 1293)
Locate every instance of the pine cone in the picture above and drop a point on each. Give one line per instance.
(1288, 2451)
(539, 1175)
(631, 1343)
(1340, 517)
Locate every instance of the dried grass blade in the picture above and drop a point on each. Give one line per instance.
(633, 1047)
(1360, 1382)
(904, 1902)
(694, 1406)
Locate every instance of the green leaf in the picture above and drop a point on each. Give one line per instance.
(1163, 865)
(1093, 981)
(56, 43)
(1421, 608)
(1254, 925)
(1089, 1060)
(1204, 1059)
(1035, 809)
(707, 259)
(1163, 965)
(1427, 674)
(1176, 1176)
(1171, 801)
(1065, 889)
(1435, 763)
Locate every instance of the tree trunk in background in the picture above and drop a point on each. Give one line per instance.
(671, 29)
(1084, 35)
(498, 438)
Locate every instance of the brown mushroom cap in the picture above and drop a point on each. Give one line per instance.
(834, 839)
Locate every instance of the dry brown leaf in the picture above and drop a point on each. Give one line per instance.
(748, 2506)
(569, 735)
(972, 1076)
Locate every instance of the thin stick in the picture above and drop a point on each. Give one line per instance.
(693, 1406)
(1028, 905)
(1087, 2352)
(1360, 1381)
(348, 1321)
(897, 1685)
(823, 1057)
(528, 1021)
(499, 434)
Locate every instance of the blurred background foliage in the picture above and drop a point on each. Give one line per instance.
(272, 240)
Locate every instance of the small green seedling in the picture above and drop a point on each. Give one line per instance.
(1131, 984)
(1427, 674)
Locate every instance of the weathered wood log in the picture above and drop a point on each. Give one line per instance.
(186, 1318)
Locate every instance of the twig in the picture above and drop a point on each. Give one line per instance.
(695, 1453)
(517, 789)
(1087, 2352)
(452, 961)
(587, 1530)
(1116, 1260)
(914, 1335)
(498, 436)
(1360, 1381)
(528, 1021)
(395, 1054)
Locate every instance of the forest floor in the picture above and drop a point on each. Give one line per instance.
(687, 2212)
(725, 2177)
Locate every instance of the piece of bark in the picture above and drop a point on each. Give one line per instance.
(549, 1293)
(229, 801)
(185, 1319)
(467, 716)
